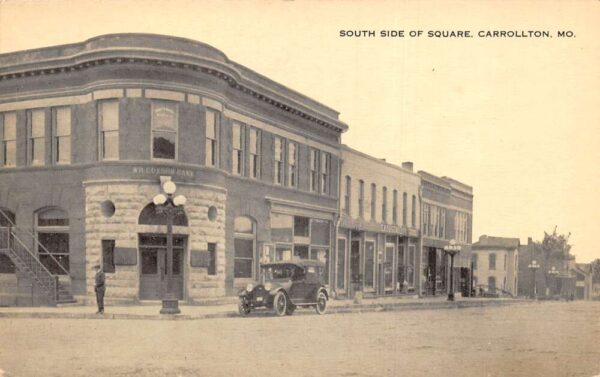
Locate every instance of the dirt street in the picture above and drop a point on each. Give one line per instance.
(529, 339)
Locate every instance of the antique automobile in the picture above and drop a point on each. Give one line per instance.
(286, 285)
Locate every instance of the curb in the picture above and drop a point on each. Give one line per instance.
(345, 309)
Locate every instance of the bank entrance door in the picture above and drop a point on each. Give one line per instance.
(153, 272)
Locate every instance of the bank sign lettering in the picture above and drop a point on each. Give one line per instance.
(163, 171)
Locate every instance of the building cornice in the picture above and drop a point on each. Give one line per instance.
(202, 58)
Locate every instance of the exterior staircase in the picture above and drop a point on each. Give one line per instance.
(55, 287)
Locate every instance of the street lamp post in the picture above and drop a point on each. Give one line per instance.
(169, 206)
(452, 250)
(534, 266)
(554, 273)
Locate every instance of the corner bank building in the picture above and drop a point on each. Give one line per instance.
(88, 132)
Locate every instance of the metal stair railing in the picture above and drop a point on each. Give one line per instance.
(27, 262)
(22, 233)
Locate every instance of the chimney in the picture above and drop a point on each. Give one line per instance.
(408, 165)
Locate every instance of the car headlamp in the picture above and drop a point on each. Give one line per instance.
(249, 287)
(268, 286)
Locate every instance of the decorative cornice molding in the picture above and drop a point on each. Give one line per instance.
(220, 70)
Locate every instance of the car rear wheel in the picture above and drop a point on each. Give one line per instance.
(321, 306)
(243, 307)
(280, 304)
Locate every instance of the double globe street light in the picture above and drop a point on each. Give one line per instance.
(452, 249)
(170, 206)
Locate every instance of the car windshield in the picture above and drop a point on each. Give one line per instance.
(278, 272)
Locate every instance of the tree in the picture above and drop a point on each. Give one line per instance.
(556, 246)
(596, 271)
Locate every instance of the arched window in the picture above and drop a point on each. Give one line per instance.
(244, 245)
(7, 219)
(151, 215)
(52, 232)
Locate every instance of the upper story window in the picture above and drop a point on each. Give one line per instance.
(254, 152)
(361, 198)
(108, 119)
(237, 158)
(9, 140)
(373, 201)
(492, 261)
(348, 190)
(425, 216)
(461, 226)
(37, 137)
(164, 130)
(292, 164)
(384, 205)
(413, 213)
(395, 207)
(212, 138)
(325, 172)
(474, 261)
(62, 135)
(279, 148)
(314, 170)
(404, 208)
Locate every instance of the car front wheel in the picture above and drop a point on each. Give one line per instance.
(280, 304)
(243, 307)
(321, 306)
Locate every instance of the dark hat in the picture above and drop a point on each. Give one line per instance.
(97, 265)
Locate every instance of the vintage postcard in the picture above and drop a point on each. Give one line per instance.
(299, 188)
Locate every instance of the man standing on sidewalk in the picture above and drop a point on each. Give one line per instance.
(99, 288)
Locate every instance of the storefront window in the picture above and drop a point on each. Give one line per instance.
(244, 246)
(369, 263)
(319, 232)
(341, 263)
(301, 226)
(281, 227)
(301, 251)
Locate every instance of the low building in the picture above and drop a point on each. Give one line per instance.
(495, 262)
(378, 233)
(447, 214)
(583, 281)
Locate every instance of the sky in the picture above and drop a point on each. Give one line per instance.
(516, 118)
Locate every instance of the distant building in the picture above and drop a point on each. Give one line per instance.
(555, 278)
(447, 213)
(583, 281)
(495, 262)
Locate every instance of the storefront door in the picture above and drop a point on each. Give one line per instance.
(153, 272)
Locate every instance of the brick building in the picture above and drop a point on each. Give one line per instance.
(89, 129)
(447, 213)
(378, 236)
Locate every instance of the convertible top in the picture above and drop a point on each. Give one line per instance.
(296, 262)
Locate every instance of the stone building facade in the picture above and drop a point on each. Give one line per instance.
(88, 132)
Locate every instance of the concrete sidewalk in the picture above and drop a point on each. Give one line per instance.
(196, 312)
